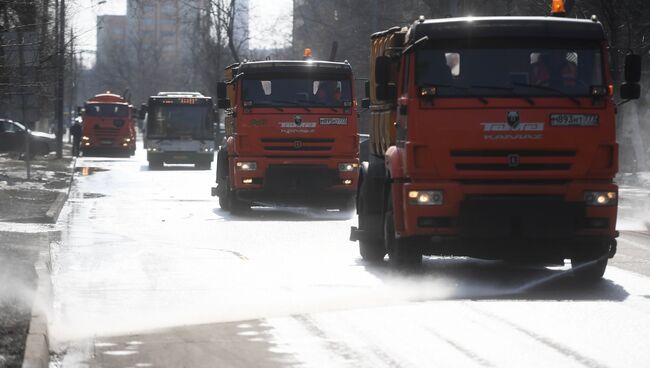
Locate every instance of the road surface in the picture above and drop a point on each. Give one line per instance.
(150, 272)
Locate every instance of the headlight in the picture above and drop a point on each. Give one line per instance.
(127, 140)
(425, 197)
(247, 166)
(601, 198)
(206, 149)
(153, 149)
(348, 167)
(84, 138)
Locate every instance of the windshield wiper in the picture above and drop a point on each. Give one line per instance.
(294, 103)
(552, 89)
(320, 103)
(510, 89)
(462, 88)
(266, 104)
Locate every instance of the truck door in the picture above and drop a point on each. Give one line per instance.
(401, 124)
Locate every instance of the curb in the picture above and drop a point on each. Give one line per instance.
(53, 212)
(37, 347)
(37, 344)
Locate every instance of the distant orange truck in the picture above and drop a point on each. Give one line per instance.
(108, 126)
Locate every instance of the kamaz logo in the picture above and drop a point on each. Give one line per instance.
(298, 120)
(508, 131)
(297, 144)
(513, 160)
(506, 127)
(513, 119)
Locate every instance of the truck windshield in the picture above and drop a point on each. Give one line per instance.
(510, 71)
(175, 121)
(107, 110)
(301, 92)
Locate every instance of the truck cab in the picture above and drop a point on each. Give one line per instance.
(108, 126)
(291, 135)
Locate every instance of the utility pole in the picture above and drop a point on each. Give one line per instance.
(61, 87)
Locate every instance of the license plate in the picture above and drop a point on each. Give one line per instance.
(106, 141)
(574, 120)
(180, 157)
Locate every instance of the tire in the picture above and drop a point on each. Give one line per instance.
(349, 204)
(203, 165)
(156, 165)
(401, 252)
(237, 206)
(590, 262)
(224, 203)
(589, 270)
(224, 198)
(371, 247)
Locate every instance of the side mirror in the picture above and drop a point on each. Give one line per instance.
(382, 69)
(80, 110)
(630, 91)
(365, 103)
(633, 68)
(221, 90)
(386, 91)
(223, 103)
(142, 112)
(222, 96)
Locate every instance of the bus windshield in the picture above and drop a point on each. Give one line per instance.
(175, 121)
(510, 70)
(301, 92)
(107, 110)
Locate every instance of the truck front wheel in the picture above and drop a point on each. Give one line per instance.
(155, 165)
(401, 252)
(590, 263)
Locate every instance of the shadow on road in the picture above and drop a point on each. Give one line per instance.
(285, 214)
(174, 168)
(474, 279)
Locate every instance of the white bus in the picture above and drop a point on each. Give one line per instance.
(179, 129)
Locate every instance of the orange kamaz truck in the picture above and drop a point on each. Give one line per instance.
(292, 137)
(492, 138)
(108, 126)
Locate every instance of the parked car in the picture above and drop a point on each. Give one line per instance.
(12, 139)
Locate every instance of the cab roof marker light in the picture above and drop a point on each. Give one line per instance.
(557, 8)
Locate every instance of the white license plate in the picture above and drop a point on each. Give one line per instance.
(180, 157)
(106, 141)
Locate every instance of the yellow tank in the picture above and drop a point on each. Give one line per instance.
(383, 112)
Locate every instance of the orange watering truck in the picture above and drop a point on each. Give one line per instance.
(493, 138)
(108, 126)
(292, 138)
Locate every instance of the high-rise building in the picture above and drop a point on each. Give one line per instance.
(241, 30)
(111, 35)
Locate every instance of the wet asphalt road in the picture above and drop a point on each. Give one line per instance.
(150, 272)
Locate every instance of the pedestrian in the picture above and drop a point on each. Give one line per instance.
(75, 132)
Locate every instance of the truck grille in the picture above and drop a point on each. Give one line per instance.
(106, 132)
(283, 145)
(512, 160)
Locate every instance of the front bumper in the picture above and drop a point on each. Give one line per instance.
(180, 157)
(509, 212)
(295, 180)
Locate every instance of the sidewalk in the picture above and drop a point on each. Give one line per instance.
(28, 200)
(25, 206)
